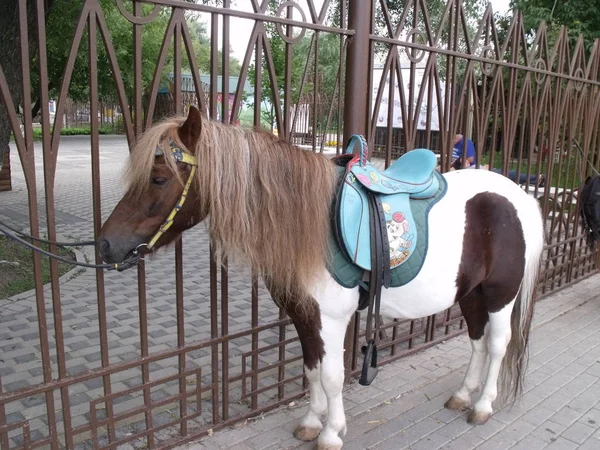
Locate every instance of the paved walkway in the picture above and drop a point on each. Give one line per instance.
(403, 408)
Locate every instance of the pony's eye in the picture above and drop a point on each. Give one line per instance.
(159, 181)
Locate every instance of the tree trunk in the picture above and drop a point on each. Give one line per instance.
(10, 61)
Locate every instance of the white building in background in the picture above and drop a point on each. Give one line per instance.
(426, 108)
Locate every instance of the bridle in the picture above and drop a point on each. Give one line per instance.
(180, 156)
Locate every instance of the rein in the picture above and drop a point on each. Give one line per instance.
(20, 238)
(180, 156)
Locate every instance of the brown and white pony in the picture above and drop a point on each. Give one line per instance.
(269, 202)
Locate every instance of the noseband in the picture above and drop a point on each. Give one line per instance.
(180, 156)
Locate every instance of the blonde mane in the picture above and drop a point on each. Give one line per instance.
(266, 199)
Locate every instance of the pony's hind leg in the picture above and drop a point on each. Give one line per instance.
(499, 334)
(461, 399)
(476, 316)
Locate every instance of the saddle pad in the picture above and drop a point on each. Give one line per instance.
(349, 275)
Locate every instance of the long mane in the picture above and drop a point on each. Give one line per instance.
(266, 199)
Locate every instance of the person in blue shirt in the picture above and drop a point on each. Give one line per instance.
(471, 162)
(457, 152)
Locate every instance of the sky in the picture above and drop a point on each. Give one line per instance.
(241, 28)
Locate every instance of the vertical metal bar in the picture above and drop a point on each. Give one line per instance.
(357, 72)
(225, 117)
(315, 93)
(137, 70)
(97, 217)
(356, 110)
(254, 325)
(180, 313)
(4, 445)
(183, 427)
(225, 332)
(225, 75)
(286, 132)
(281, 370)
(141, 275)
(254, 292)
(49, 172)
(390, 121)
(214, 305)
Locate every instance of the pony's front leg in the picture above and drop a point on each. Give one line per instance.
(332, 381)
(310, 426)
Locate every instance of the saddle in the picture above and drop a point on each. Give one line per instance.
(374, 222)
(374, 203)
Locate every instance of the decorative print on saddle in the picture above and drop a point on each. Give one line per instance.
(374, 222)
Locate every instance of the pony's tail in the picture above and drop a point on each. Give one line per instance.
(514, 364)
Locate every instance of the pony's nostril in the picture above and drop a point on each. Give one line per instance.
(103, 245)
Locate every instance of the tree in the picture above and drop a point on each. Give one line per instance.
(579, 16)
(61, 19)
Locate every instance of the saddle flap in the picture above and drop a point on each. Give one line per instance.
(354, 227)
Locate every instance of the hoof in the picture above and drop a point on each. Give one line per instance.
(456, 404)
(306, 434)
(480, 418)
(328, 447)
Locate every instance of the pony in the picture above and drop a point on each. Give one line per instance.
(270, 202)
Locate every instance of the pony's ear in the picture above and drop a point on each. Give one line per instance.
(189, 133)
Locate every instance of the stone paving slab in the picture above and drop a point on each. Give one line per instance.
(560, 407)
(20, 349)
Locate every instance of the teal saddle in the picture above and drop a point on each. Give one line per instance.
(380, 227)
(405, 192)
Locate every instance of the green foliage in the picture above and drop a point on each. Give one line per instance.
(579, 16)
(303, 66)
(61, 23)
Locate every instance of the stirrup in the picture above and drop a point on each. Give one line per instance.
(369, 369)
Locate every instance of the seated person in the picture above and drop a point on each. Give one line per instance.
(457, 152)
(471, 162)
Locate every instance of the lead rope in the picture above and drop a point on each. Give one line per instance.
(118, 266)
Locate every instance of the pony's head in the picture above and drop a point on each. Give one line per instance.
(264, 199)
(151, 214)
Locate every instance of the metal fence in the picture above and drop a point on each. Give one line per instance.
(404, 79)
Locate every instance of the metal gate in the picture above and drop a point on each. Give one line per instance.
(188, 344)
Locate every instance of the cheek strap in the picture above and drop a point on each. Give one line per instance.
(169, 220)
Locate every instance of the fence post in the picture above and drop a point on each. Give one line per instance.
(356, 111)
(356, 108)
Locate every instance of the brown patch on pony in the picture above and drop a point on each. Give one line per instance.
(490, 276)
(487, 260)
(306, 316)
(266, 199)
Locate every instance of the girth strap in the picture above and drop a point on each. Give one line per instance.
(379, 277)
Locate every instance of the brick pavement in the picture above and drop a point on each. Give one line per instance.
(403, 409)
(20, 353)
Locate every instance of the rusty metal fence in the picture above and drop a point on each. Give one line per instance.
(187, 345)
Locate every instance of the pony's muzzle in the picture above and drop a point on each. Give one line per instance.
(116, 250)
